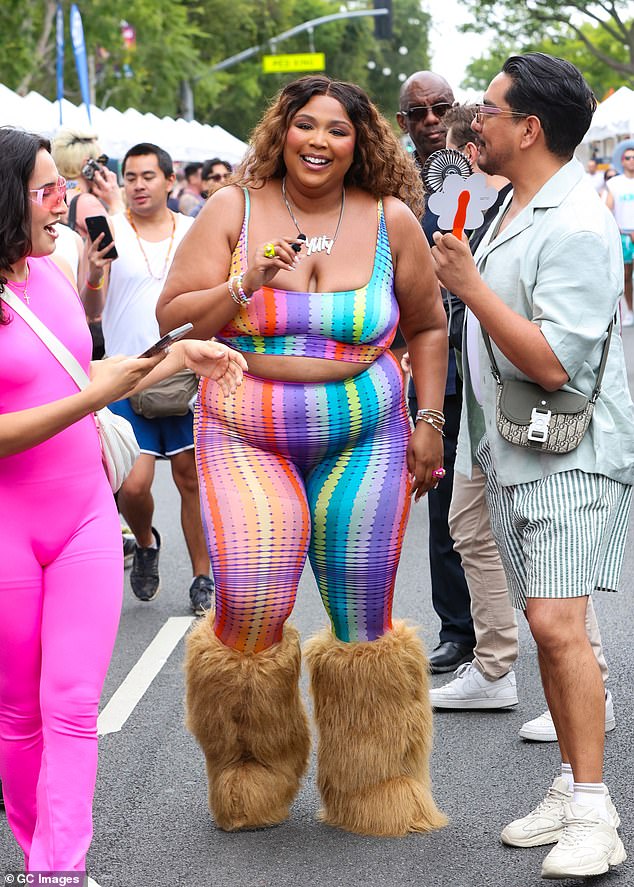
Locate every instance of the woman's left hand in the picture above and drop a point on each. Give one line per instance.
(424, 455)
(215, 361)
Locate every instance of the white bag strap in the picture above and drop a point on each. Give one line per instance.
(57, 349)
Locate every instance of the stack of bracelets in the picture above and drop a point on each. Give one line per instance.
(236, 290)
(433, 417)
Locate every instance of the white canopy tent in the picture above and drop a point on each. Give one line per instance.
(613, 117)
(117, 131)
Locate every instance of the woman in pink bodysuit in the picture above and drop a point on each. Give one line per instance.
(61, 570)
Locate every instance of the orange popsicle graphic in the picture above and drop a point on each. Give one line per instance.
(461, 215)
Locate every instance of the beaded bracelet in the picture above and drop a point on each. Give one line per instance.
(236, 290)
(433, 417)
(97, 286)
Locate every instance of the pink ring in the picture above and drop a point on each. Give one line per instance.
(439, 473)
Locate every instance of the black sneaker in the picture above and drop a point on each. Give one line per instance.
(201, 595)
(129, 547)
(144, 577)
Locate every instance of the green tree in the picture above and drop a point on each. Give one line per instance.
(179, 41)
(520, 23)
(601, 77)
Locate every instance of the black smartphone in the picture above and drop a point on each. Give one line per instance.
(97, 225)
(166, 340)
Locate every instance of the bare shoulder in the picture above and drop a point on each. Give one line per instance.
(400, 220)
(223, 212)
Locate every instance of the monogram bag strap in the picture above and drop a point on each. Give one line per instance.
(57, 348)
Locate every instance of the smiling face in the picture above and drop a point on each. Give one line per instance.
(320, 142)
(46, 215)
(499, 135)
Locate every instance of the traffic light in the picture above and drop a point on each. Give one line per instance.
(383, 23)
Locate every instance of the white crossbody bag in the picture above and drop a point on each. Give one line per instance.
(119, 447)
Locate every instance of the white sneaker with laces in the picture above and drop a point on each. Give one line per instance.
(542, 729)
(545, 824)
(588, 846)
(470, 689)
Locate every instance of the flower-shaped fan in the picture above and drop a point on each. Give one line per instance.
(443, 163)
(457, 196)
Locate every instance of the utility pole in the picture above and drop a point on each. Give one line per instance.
(187, 86)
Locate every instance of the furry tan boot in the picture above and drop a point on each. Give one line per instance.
(245, 711)
(375, 733)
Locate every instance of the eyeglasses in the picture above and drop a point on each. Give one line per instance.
(483, 111)
(628, 157)
(218, 176)
(50, 195)
(420, 112)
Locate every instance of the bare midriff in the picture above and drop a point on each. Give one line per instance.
(301, 369)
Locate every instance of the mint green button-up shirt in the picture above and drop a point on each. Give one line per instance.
(559, 264)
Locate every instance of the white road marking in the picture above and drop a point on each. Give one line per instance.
(126, 698)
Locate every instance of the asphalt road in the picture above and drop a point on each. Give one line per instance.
(152, 825)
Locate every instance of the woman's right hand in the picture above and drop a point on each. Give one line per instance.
(262, 268)
(114, 377)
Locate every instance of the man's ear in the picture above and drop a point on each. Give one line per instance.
(532, 131)
(402, 121)
(471, 152)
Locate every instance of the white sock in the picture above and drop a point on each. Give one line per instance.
(592, 794)
(566, 773)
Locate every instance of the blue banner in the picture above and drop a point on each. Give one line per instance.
(59, 39)
(81, 60)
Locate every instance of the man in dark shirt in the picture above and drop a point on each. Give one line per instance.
(425, 99)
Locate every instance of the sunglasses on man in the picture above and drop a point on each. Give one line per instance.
(218, 176)
(420, 112)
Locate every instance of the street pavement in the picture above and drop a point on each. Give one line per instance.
(152, 825)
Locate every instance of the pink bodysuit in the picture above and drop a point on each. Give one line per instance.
(61, 580)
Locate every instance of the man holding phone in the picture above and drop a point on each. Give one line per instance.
(146, 237)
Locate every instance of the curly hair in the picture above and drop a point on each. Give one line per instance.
(380, 165)
(18, 152)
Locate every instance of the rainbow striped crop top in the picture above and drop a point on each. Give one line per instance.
(353, 325)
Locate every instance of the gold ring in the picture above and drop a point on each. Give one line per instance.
(269, 251)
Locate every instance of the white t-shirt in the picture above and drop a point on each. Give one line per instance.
(622, 189)
(68, 245)
(129, 316)
(596, 179)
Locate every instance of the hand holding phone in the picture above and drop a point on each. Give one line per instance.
(165, 341)
(96, 225)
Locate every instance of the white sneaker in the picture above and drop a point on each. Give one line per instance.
(588, 846)
(470, 689)
(545, 824)
(627, 318)
(542, 729)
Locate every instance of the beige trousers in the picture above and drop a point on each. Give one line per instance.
(493, 616)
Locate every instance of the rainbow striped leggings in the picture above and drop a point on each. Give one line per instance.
(288, 469)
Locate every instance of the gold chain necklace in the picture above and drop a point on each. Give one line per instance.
(322, 242)
(22, 285)
(169, 248)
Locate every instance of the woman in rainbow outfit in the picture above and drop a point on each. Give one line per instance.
(305, 264)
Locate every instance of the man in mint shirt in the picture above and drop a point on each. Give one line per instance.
(560, 521)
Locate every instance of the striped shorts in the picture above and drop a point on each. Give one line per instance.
(560, 536)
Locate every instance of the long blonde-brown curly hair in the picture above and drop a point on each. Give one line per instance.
(380, 165)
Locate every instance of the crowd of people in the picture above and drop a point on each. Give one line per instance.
(315, 279)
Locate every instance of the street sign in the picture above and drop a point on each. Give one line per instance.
(297, 61)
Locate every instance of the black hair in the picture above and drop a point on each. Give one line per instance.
(192, 168)
(208, 165)
(18, 153)
(555, 91)
(142, 149)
